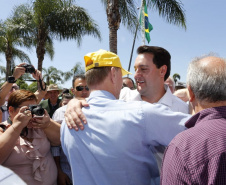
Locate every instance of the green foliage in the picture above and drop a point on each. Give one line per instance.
(52, 74)
(175, 77)
(171, 10)
(22, 84)
(32, 87)
(77, 69)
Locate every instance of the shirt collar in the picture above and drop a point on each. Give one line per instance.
(101, 94)
(166, 99)
(205, 115)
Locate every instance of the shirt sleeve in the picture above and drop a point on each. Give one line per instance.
(174, 169)
(162, 124)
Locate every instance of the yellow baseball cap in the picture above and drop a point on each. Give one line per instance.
(103, 58)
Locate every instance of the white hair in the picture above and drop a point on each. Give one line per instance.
(207, 83)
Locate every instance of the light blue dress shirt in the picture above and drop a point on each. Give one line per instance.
(114, 148)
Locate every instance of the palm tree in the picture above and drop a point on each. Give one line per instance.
(119, 11)
(77, 69)
(10, 39)
(175, 77)
(57, 19)
(52, 74)
(125, 11)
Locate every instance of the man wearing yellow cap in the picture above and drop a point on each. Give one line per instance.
(114, 147)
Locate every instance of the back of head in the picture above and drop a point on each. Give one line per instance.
(161, 57)
(20, 96)
(207, 76)
(98, 65)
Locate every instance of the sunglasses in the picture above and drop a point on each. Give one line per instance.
(80, 88)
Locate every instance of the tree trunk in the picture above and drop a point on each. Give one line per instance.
(40, 50)
(8, 56)
(114, 21)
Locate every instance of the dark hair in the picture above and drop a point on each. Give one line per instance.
(130, 80)
(161, 57)
(82, 76)
(66, 96)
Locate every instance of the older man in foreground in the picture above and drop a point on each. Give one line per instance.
(198, 155)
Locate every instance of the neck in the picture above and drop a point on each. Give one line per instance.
(155, 95)
(53, 102)
(199, 106)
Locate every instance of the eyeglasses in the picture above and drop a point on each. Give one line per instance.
(80, 88)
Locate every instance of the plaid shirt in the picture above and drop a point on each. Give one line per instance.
(198, 155)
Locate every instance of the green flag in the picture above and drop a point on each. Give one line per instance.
(144, 22)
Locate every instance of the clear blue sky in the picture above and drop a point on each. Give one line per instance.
(206, 32)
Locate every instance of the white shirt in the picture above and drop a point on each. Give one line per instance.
(7, 176)
(168, 99)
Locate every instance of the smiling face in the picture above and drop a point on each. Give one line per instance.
(147, 76)
(53, 96)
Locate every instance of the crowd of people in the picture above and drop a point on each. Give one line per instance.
(109, 130)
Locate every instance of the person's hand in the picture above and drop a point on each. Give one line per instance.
(63, 179)
(74, 115)
(23, 117)
(18, 71)
(41, 122)
(37, 75)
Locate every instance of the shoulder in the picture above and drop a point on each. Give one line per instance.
(127, 94)
(179, 105)
(59, 113)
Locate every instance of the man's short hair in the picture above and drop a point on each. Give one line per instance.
(97, 75)
(161, 57)
(207, 84)
(82, 76)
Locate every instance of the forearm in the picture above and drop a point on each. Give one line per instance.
(40, 93)
(53, 133)
(4, 90)
(8, 140)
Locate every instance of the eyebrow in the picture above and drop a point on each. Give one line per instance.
(141, 65)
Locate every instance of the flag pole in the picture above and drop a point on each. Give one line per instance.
(134, 39)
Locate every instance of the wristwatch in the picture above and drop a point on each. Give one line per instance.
(11, 79)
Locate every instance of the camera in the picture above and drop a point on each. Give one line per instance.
(37, 110)
(28, 68)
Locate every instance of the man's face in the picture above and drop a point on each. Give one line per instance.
(53, 96)
(80, 88)
(147, 75)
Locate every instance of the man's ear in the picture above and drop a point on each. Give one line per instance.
(113, 75)
(191, 95)
(163, 71)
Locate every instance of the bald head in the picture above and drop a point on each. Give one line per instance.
(206, 77)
